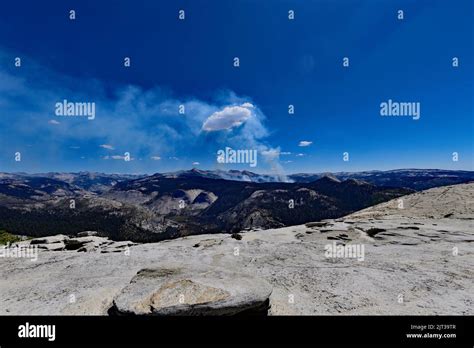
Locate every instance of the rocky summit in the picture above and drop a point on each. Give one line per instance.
(411, 255)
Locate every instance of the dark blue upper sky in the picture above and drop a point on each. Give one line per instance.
(190, 63)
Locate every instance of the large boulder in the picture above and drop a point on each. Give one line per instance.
(178, 291)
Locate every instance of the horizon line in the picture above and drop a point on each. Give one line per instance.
(237, 170)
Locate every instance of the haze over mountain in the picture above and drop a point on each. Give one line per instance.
(417, 179)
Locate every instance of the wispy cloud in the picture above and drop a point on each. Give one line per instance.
(107, 146)
(305, 143)
(132, 119)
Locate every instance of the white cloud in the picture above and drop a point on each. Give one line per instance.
(155, 158)
(305, 143)
(285, 153)
(227, 118)
(53, 122)
(107, 146)
(300, 155)
(196, 163)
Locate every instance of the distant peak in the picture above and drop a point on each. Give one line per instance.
(330, 177)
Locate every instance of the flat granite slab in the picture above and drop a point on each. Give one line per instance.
(180, 291)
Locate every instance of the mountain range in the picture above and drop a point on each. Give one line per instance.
(146, 208)
(417, 179)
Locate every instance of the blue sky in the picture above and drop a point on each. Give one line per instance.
(190, 63)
